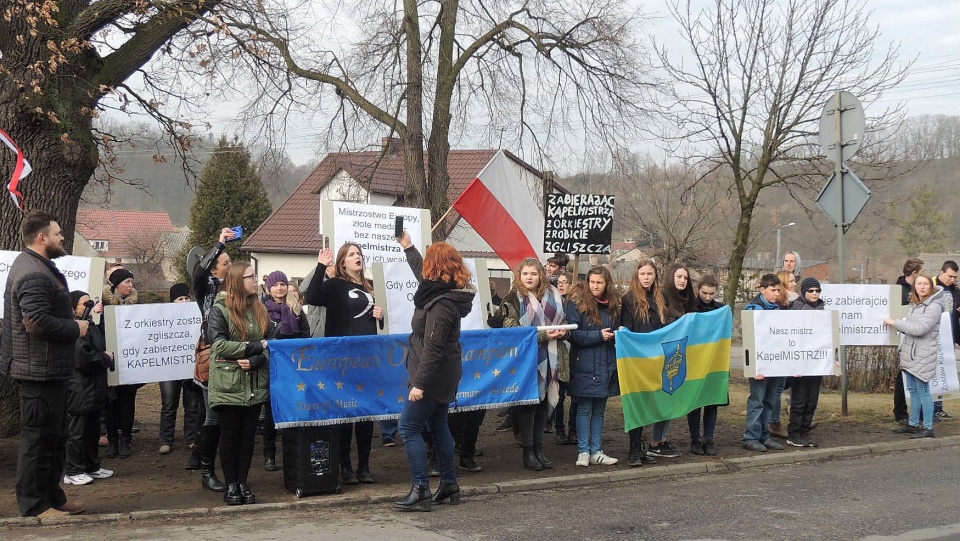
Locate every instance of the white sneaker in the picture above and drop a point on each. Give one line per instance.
(102, 473)
(601, 458)
(79, 479)
(583, 459)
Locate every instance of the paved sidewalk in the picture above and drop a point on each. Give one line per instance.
(592, 478)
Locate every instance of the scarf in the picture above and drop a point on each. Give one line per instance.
(289, 324)
(429, 289)
(536, 313)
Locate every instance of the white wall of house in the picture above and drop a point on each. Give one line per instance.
(342, 187)
(295, 266)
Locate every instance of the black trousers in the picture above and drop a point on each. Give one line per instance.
(120, 412)
(83, 443)
(465, 428)
(899, 400)
(269, 431)
(43, 446)
(364, 430)
(238, 435)
(804, 396)
(532, 420)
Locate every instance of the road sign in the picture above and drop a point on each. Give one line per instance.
(852, 126)
(855, 197)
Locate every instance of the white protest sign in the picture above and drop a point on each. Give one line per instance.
(944, 385)
(80, 272)
(790, 342)
(397, 281)
(152, 342)
(862, 309)
(372, 228)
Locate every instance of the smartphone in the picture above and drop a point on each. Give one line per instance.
(326, 242)
(238, 233)
(398, 227)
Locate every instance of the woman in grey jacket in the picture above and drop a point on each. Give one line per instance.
(918, 352)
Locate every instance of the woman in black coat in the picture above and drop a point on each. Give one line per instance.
(443, 298)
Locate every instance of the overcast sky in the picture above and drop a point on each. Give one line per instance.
(926, 29)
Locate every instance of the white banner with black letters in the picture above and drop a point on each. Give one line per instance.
(789, 342)
(152, 342)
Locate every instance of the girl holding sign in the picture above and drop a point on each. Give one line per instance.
(239, 384)
(534, 302)
(918, 352)
(342, 288)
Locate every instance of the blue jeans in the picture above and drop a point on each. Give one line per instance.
(920, 401)
(590, 413)
(763, 393)
(388, 429)
(661, 429)
(778, 401)
(428, 413)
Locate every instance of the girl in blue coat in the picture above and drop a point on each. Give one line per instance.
(595, 308)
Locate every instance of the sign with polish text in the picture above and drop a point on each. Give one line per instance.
(790, 342)
(152, 342)
(578, 224)
(371, 227)
(862, 309)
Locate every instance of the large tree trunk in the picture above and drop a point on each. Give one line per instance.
(736, 256)
(63, 158)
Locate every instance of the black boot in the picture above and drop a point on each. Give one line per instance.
(193, 463)
(270, 460)
(530, 461)
(246, 494)
(232, 495)
(645, 456)
(634, 457)
(113, 448)
(448, 492)
(538, 453)
(209, 440)
(125, 444)
(348, 476)
(419, 499)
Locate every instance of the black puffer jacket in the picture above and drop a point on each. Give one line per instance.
(37, 294)
(87, 390)
(434, 364)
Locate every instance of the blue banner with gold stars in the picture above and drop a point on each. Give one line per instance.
(323, 381)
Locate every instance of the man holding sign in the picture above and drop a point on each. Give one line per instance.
(39, 333)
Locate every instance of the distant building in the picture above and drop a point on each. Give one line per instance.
(137, 239)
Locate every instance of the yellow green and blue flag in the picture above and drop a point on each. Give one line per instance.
(670, 372)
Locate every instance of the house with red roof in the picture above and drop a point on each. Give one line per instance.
(140, 240)
(291, 236)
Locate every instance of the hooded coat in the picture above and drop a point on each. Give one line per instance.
(921, 331)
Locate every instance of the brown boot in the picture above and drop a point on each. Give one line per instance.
(776, 429)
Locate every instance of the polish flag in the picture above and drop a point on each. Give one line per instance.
(21, 168)
(499, 206)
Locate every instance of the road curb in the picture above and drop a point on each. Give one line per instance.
(777, 458)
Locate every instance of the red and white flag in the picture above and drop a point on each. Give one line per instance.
(499, 206)
(21, 168)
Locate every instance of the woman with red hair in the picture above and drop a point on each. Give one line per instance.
(444, 296)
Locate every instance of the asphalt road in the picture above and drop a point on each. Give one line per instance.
(909, 495)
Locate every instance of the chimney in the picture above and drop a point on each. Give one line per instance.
(389, 145)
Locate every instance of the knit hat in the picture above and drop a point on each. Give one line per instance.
(117, 277)
(75, 297)
(179, 290)
(276, 276)
(809, 283)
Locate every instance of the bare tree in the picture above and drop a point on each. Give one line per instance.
(147, 249)
(507, 72)
(757, 77)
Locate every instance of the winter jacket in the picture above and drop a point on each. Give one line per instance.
(511, 309)
(921, 331)
(205, 284)
(593, 362)
(905, 290)
(759, 303)
(802, 304)
(629, 318)
(435, 361)
(229, 384)
(707, 306)
(952, 301)
(87, 389)
(37, 295)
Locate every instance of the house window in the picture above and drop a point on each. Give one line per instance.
(100, 245)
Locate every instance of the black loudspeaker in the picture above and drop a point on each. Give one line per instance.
(311, 460)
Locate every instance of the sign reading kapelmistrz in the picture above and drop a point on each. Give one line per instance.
(789, 343)
(152, 342)
(578, 224)
(371, 227)
(862, 309)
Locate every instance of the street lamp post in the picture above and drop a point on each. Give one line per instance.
(779, 262)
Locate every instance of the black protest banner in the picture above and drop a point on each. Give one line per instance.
(578, 224)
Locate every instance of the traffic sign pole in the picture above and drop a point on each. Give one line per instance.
(838, 169)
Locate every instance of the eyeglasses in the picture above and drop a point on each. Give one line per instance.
(813, 291)
(247, 277)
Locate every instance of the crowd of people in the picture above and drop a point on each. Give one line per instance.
(59, 358)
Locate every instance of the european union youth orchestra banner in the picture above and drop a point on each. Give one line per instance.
(323, 381)
(152, 342)
(670, 372)
(790, 342)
